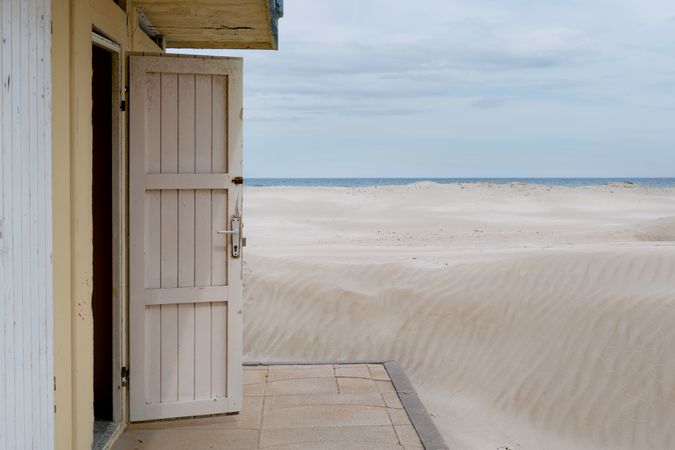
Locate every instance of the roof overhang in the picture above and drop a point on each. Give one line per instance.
(212, 23)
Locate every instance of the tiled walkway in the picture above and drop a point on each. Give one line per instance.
(324, 407)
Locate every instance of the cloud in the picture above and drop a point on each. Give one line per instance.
(489, 102)
(555, 69)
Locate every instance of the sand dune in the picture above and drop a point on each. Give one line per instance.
(662, 229)
(528, 317)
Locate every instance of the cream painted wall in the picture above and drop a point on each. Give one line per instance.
(73, 21)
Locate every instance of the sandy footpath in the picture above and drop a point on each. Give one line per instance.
(528, 317)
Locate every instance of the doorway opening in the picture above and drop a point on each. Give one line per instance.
(106, 251)
(102, 232)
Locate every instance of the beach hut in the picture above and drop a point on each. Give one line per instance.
(120, 203)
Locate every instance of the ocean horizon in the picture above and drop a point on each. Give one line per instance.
(371, 182)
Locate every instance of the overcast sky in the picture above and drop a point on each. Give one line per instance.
(464, 88)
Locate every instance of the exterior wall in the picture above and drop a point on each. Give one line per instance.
(26, 391)
(73, 22)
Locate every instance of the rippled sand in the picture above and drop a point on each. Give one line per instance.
(528, 317)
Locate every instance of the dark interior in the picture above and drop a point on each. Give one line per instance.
(102, 232)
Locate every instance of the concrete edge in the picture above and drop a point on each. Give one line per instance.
(308, 363)
(419, 417)
(107, 438)
(417, 413)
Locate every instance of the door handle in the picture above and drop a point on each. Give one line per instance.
(235, 236)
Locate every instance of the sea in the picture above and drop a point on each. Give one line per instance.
(370, 182)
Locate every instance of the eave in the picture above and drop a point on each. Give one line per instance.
(237, 24)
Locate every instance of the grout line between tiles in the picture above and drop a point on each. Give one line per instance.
(262, 409)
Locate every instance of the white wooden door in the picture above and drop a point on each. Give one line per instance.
(185, 153)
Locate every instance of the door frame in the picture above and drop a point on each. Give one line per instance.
(119, 234)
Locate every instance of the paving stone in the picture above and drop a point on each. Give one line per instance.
(385, 386)
(408, 436)
(294, 407)
(356, 386)
(277, 373)
(257, 389)
(398, 416)
(348, 437)
(326, 416)
(248, 418)
(392, 400)
(302, 386)
(255, 376)
(378, 372)
(290, 401)
(353, 372)
(188, 440)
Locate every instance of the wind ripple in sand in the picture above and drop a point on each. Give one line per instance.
(659, 230)
(564, 349)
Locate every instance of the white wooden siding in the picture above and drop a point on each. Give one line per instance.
(26, 373)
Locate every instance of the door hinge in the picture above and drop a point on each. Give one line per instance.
(238, 180)
(54, 384)
(123, 105)
(125, 376)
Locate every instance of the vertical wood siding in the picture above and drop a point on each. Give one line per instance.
(26, 374)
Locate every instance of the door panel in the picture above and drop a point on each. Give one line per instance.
(186, 291)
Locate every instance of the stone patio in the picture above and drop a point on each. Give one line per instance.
(319, 406)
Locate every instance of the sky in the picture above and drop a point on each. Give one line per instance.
(463, 88)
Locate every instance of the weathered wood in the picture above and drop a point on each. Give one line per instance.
(186, 352)
(186, 295)
(183, 351)
(185, 181)
(26, 323)
(214, 23)
(235, 199)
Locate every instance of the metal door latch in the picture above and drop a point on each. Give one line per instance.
(124, 376)
(235, 236)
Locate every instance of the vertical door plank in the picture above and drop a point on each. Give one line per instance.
(186, 164)
(186, 238)
(169, 352)
(219, 350)
(169, 238)
(203, 108)
(153, 337)
(186, 352)
(152, 164)
(169, 125)
(202, 351)
(153, 260)
(219, 121)
(153, 117)
(186, 123)
(203, 237)
(169, 164)
(219, 248)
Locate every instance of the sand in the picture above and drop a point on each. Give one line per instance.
(528, 317)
